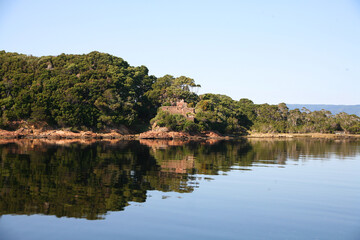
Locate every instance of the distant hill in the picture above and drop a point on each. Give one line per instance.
(334, 109)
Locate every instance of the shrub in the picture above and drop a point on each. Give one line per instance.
(174, 122)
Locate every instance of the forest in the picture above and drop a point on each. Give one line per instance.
(98, 91)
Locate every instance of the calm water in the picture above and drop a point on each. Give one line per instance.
(256, 189)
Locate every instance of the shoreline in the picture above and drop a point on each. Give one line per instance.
(304, 135)
(62, 134)
(157, 135)
(25, 133)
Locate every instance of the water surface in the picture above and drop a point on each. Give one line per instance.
(255, 189)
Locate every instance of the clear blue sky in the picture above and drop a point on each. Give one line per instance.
(268, 51)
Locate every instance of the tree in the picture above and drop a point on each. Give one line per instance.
(169, 90)
(220, 113)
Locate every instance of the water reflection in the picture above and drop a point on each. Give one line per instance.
(87, 179)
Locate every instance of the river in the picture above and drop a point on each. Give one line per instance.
(244, 189)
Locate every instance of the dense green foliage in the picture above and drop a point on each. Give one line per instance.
(278, 118)
(90, 91)
(168, 90)
(225, 115)
(97, 91)
(174, 122)
(221, 113)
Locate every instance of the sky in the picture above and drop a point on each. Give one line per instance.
(276, 51)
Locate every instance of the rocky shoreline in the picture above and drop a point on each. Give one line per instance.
(62, 134)
(28, 133)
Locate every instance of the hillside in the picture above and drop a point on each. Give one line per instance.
(101, 92)
(89, 91)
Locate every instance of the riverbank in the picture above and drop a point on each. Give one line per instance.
(62, 134)
(304, 135)
(28, 133)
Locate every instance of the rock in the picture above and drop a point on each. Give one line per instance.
(163, 135)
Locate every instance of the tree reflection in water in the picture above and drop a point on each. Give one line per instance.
(86, 179)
